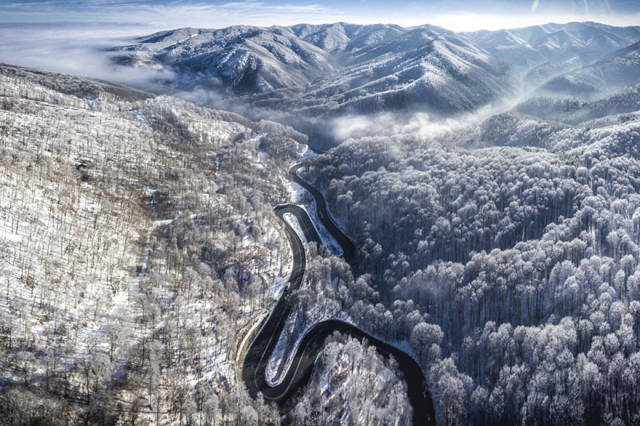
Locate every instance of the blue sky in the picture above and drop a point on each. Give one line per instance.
(453, 14)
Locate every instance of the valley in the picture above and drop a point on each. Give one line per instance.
(326, 224)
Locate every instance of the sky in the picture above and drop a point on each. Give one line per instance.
(457, 15)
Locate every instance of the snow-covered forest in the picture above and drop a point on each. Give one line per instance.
(111, 304)
(513, 273)
(336, 393)
(489, 183)
(137, 247)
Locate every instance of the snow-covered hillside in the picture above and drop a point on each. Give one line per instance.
(346, 37)
(424, 68)
(542, 48)
(611, 73)
(137, 246)
(244, 58)
(138, 249)
(328, 68)
(574, 111)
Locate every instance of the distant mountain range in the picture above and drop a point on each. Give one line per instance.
(613, 72)
(333, 67)
(536, 47)
(567, 72)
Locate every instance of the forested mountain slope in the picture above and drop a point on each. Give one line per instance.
(328, 68)
(425, 68)
(138, 246)
(129, 255)
(572, 110)
(543, 51)
(564, 124)
(249, 59)
(611, 73)
(513, 272)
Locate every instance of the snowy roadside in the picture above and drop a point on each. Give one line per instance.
(290, 338)
(293, 333)
(309, 205)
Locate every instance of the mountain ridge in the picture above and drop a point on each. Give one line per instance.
(342, 67)
(355, 67)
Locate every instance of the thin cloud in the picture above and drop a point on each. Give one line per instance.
(74, 49)
(169, 14)
(535, 5)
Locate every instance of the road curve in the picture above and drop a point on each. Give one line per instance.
(348, 248)
(268, 333)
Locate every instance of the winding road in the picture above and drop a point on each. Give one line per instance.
(267, 334)
(348, 248)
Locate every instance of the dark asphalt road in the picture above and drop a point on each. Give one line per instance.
(347, 245)
(266, 338)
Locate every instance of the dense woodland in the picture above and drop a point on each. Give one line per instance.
(512, 273)
(138, 246)
(337, 394)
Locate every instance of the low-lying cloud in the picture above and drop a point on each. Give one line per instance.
(421, 125)
(78, 49)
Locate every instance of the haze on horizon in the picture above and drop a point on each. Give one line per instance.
(456, 15)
